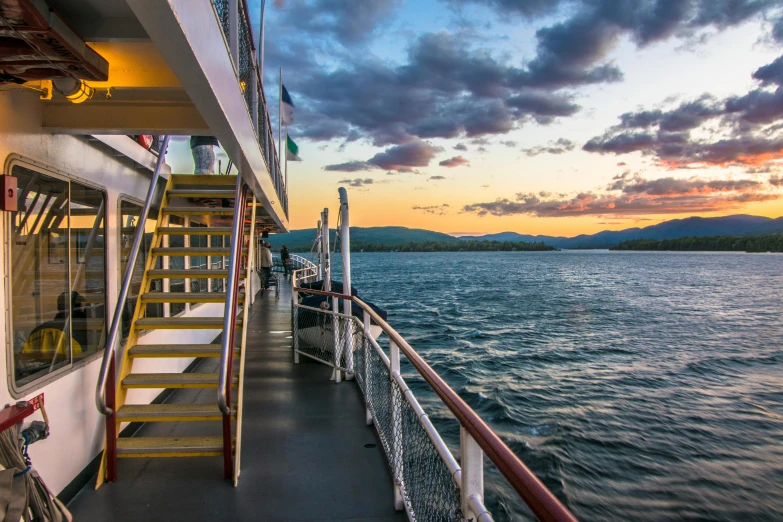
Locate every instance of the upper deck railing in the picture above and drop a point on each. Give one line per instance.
(234, 20)
(430, 484)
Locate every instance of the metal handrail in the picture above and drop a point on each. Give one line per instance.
(232, 291)
(544, 505)
(111, 340)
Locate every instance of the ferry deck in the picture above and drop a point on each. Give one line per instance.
(164, 384)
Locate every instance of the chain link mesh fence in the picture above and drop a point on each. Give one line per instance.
(322, 335)
(221, 6)
(423, 477)
(425, 481)
(428, 487)
(246, 69)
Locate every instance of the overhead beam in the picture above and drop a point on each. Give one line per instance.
(108, 118)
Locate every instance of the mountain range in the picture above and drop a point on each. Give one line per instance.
(737, 225)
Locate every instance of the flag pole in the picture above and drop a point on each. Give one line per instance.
(261, 42)
(280, 120)
(286, 160)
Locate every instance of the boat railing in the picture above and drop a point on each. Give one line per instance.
(430, 483)
(234, 19)
(304, 270)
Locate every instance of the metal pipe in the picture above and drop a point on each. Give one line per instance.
(229, 319)
(345, 250)
(108, 354)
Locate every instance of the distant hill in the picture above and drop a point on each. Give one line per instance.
(738, 225)
(302, 240)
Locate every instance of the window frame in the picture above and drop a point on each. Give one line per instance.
(18, 392)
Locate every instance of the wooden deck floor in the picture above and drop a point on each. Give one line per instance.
(304, 454)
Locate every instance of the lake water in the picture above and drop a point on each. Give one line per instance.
(638, 386)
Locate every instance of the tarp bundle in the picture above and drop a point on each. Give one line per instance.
(23, 493)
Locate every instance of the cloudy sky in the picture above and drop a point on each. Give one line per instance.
(537, 116)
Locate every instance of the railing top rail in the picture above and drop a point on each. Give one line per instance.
(544, 505)
(323, 292)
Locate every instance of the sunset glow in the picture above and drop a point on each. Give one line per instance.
(556, 117)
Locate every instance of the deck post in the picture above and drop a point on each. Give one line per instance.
(472, 463)
(366, 347)
(336, 339)
(345, 249)
(295, 320)
(396, 414)
(111, 426)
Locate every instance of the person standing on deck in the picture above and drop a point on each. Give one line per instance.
(266, 263)
(203, 153)
(285, 257)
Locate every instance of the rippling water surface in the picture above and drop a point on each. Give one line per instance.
(638, 386)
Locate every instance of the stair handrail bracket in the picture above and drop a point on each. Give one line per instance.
(112, 338)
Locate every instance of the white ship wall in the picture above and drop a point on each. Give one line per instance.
(77, 429)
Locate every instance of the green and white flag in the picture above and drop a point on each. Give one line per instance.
(291, 150)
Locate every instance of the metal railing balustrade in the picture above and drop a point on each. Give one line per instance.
(430, 483)
(234, 20)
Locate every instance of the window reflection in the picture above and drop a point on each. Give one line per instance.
(58, 282)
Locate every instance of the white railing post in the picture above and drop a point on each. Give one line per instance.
(336, 339)
(233, 30)
(396, 414)
(472, 464)
(254, 104)
(295, 320)
(366, 348)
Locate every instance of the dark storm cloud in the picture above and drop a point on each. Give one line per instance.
(400, 158)
(776, 180)
(348, 22)
(689, 115)
(560, 146)
(437, 178)
(358, 182)
(432, 209)
(350, 166)
(777, 30)
(750, 131)
(449, 87)
(446, 89)
(635, 196)
(526, 8)
(460, 146)
(456, 161)
(416, 154)
(771, 73)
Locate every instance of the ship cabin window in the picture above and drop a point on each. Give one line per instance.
(129, 219)
(58, 275)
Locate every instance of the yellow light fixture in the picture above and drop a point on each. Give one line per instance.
(82, 93)
(243, 85)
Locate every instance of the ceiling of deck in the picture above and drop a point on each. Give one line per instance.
(100, 20)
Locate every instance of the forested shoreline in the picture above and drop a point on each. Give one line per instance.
(445, 246)
(772, 243)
